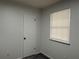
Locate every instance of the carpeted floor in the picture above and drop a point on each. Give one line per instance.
(38, 56)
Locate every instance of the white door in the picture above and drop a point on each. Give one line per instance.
(10, 32)
(29, 33)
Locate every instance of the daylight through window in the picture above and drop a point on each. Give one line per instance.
(60, 26)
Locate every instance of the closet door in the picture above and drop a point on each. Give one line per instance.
(30, 32)
(11, 39)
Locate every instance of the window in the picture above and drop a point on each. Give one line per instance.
(60, 26)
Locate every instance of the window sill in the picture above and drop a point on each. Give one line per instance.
(59, 41)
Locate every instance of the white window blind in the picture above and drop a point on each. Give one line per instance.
(60, 26)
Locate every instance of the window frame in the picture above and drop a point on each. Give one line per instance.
(60, 40)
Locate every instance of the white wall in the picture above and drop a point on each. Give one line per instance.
(11, 46)
(10, 32)
(55, 49)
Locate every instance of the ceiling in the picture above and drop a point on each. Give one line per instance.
(37, 3)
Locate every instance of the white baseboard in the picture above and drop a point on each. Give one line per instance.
(28, 55)
(19, 58)
(47, 55)
(38, 53)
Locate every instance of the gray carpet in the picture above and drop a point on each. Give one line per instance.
(38, 56)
